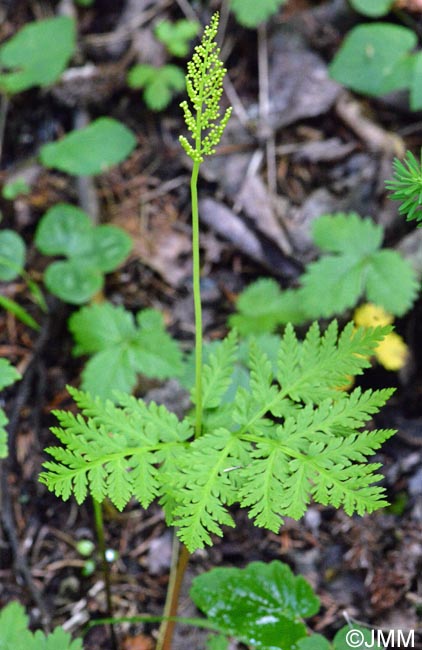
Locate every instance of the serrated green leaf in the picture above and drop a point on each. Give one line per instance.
(391, 282)
(75, 280)
(259, 605)
(177, 36)
(12, 255)
(251, 13)
(37, 54)
(370, 55)
(336, 282)
(15, 635)
(374, 8)
(122, 349)
(91, 150)
(217, 372)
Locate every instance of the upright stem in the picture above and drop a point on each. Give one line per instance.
(197, 299)
(99, 527)
(180, 554)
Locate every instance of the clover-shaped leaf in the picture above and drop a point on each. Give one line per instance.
(92, 251)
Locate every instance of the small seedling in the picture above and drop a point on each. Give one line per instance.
(160, 84)
(91, 251)
(122, 348)
(8, 376)
(177, 36)
(91, 150)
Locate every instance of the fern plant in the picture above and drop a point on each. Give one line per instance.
(288, 436)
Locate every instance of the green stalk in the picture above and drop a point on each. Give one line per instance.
(99, 527)
(197, 298)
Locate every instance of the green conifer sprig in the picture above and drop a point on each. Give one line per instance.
(406, 186)
(204, 85)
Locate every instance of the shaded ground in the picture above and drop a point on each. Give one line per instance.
(297, 146)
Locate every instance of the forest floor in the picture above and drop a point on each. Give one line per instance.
(298, 146)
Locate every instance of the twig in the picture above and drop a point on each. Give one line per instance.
(187, 10)
(87, 193)
(180, 559)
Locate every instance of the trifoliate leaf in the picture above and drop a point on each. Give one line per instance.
(37, 54)
(259, 605)
(336, 282)
(122, 349)
(177, 36)
(375, 58)
(91, 150)
(12, 255)
(160, 84)
(251, 13)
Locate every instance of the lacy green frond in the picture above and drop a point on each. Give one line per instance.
(204, 85)
(113, 451)
(290, 436)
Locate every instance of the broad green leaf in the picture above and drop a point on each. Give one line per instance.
(263, 306)
(160, 84)
(177, 36)
(369, 55)
(12, 255)
(64, 230)
(74, 280)
(91, 150)
(37, 54)
(372, 8)
(217, 642)
(110, 247)
(259, 605)
(121, 348)
(251, 13)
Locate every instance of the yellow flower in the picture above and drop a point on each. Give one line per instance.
(392, 352)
